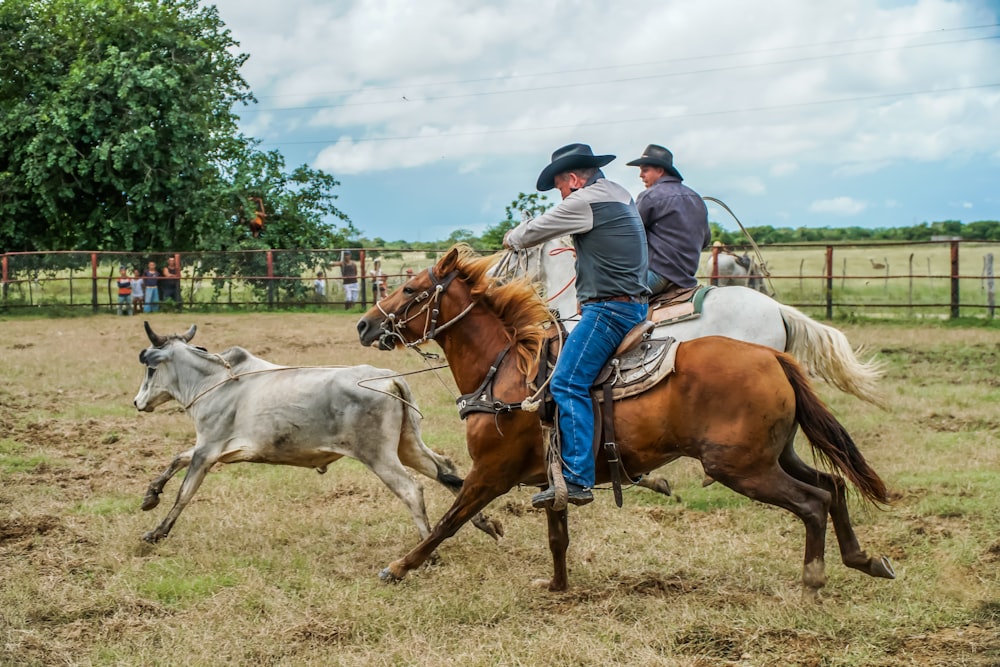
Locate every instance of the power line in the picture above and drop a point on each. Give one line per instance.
(697, 114)
(628, 79)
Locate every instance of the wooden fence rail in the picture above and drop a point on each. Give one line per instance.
(950, 278)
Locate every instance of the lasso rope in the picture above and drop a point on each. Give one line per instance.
(360, 383)
(753, 244)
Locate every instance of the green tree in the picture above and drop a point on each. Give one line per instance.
(532, 205)
(117, 132)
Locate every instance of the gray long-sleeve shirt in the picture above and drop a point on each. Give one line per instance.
(611, 255)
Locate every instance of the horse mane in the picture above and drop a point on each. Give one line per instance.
(525, 316)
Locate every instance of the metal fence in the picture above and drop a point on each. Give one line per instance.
(950, 278)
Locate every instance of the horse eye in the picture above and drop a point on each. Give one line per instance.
(408, 290)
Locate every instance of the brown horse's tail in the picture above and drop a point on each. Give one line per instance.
(828, 437)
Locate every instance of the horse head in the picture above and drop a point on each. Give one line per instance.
(420, 308)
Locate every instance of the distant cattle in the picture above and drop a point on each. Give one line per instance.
(248, 409)
(736, 269)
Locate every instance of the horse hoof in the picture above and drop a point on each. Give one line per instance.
(491, 527)
(659, 485)
(387, 577)
(882, 567)
(151, 537)
(150, 501)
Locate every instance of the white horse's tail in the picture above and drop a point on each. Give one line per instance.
(826, 353)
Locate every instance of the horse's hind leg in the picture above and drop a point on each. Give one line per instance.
(850, 550)
(809, 503)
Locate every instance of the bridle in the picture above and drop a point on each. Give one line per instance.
(392, 327)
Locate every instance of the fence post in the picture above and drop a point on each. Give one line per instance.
(715, 265)
(364, 280)
(954, 280)
(3, 277)
(991, 295)
(93, 280)
(829, 282)
(270, 279)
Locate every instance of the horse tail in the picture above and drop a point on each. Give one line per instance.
(826, 352)
(444, 472)
(828, 437)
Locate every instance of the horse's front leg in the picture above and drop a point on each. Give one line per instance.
(558, 544)
(468, 503)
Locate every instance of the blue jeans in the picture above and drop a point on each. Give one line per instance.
(656, 282)
(588, 347)
(152, 304)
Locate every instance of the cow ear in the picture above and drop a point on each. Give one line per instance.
(154, 356)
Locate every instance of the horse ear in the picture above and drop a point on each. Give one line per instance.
(448, 263)
(156, 339)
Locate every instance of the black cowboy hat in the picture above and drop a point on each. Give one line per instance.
(573, 156)
(657, 156)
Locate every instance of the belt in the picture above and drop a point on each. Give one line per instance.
(624, 298)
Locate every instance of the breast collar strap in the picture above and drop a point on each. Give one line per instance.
(481, 400)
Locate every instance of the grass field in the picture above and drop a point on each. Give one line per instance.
(277, 566)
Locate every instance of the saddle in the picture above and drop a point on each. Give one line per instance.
(678, 305)
(639, 363)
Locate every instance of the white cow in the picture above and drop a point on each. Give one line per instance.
(248, 409)
(737, 270)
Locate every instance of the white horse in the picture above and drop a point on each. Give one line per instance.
(735, 312)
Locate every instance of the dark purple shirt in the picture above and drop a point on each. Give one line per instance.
(676, 221)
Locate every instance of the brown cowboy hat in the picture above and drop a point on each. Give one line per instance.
(573, 156)
(658, 156)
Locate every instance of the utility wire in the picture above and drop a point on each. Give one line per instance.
(710, 70)
(695, 114)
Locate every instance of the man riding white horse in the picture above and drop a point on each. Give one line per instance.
(676, 221)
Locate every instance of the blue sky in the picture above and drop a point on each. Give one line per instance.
(434, 115)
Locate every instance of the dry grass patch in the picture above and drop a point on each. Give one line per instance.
(277, 566)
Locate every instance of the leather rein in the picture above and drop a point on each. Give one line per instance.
(480, 400)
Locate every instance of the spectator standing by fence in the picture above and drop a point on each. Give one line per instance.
(170, 284)
(151, 301)
(137, 291)
(124, 291)
(319, 286)
(349, 275)
(378, 281)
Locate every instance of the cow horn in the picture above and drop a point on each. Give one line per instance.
(189, 334)
(156, 339)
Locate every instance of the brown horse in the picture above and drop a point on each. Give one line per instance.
(732, 405)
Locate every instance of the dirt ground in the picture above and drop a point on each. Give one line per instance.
(78, 587)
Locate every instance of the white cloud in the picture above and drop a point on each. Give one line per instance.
(855, 88)
(838, 206)
(783, 168)
(750, 185)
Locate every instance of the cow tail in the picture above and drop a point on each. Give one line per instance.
(828, 437)
(446, 473)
